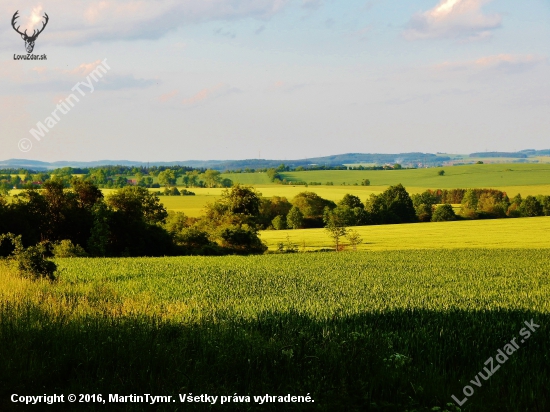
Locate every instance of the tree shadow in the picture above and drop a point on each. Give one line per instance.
(400, 360)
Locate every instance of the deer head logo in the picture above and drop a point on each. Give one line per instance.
(29, 40)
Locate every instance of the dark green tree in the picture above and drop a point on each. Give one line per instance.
(394, 205)
(530, 207)
(295, 218)
(279, 222)
(443, 213)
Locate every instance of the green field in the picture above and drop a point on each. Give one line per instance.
(525, 233)
(380, 331)
(468, 176)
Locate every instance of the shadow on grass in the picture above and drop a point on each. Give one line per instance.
(393, 361)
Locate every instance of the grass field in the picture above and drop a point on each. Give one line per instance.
(485, 175)
(380, 331)
(525, 233)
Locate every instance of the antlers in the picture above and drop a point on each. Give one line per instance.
(34, 33)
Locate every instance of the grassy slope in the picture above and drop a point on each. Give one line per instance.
(486, 175)
(383, 331)
(526, 233)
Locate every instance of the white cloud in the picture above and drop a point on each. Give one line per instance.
(459, 19)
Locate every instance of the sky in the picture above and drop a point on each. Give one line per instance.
(170, 80)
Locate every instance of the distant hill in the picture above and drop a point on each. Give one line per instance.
(411, 159)
(406, 159)
(522, 154)
(517, 155)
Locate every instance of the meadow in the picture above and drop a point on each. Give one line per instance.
(380, 331)
(496, 176)
(522, 233)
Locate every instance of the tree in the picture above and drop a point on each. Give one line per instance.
(137, 203)
(271, 208)
(353, 238)
(98, 243)
(295, 218)
(351, 201)
(312, 207)
(530, 207)
(441, 173)
(394, 205)
(192, 178)
(212, 178)
(279, 222)
(167, 177)
(489, 205)
(196, 241)
(545, 203)
(226, 182)
(349, 216)
(242, 200)
(176, 222)
(423, 204)
(65, 249)
(443, 213)
(469, 204)
(335, 227)
(242, 240)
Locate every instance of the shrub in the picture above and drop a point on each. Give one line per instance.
(242, 240)
(443, 213)
(65, 249)
(30, 262)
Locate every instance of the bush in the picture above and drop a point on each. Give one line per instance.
(66, 249)
(30, 262)
(242, 241)
(193, 239)
(443, 213)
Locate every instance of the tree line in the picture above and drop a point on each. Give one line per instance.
(130, 222)
(115, 177)
(395, 205)
(80, 221)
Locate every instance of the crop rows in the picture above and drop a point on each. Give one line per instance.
(398, 330)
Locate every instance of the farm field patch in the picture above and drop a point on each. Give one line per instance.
(323, 324)
(524, 233)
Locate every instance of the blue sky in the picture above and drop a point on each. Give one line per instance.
(221, 79)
